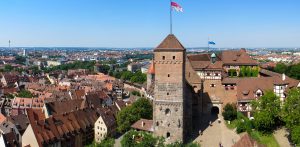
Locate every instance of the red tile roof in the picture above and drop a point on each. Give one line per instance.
(143, 124)
(170, 43)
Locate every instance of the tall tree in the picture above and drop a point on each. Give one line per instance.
(266, 112)
(142, 108)
(281, 68)
(291, 108)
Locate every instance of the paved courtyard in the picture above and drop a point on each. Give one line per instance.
(215, 134)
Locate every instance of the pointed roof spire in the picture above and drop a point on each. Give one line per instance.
(170, 43)
(151, 69)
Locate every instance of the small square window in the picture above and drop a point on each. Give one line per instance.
(167, 93)
(163, 57)
(173, 57)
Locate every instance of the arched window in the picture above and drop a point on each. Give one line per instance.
(168, 135)
(167, 111)
(157, 123)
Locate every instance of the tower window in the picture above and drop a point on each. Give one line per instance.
(167, 111)
(163, 57)
(167, 93)
(173, 57)
(168, 75)
(157, 123)
(168, 135)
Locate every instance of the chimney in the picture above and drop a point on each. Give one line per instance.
(283, 77)
(143, 123)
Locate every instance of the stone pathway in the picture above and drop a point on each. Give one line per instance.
(118, 141)
(281, 137)
(217, 133)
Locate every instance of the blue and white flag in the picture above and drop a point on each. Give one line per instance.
(211, 42)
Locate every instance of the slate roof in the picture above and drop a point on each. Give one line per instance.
(60, 107)
(21, 121)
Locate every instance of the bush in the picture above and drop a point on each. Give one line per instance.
(230, 112)
(295, 135)
(241, 127)
(136, 93)
(244, 124)
(232, 72)
(140, 139)
(25, 94)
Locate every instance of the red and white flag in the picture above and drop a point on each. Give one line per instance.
(177, 7)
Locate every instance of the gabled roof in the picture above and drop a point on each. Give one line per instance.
(143, 124)
(247, 141)
(237, 57)
(170, 43)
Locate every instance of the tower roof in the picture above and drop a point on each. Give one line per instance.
(170, 43)
(151, 69)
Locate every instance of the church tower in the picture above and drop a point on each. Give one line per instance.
(169, 106)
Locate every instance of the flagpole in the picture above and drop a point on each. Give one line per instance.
(208, 43)
(171, 27)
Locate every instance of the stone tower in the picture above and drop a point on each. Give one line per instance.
(169, 94)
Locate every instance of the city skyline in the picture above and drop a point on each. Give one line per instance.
(230, 24)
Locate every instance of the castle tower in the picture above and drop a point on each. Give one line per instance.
(169, 106)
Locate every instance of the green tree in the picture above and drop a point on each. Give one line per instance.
(243, 71)
(8, 68)
(140, 139)
(232, 72)
(138, 77)
(295, 135)
(126, 75)
(25, 94)
(230, 112)
(248, 71)
(180, 144)
(255, 71)
(20, 60)
(294, 71)
(266, 112)
(142, 108)
(291, 108)
(108, 142)
(281, 68)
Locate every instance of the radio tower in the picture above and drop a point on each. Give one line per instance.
(9, 43)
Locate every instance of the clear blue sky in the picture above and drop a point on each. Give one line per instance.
(144, 23)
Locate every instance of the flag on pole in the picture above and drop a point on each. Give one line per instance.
(177, 7)
(211, 42)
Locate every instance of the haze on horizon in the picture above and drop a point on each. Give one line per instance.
(136, 23)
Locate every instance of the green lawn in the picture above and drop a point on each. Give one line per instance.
(267, 140)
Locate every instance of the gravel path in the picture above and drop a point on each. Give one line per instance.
(281, 137)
